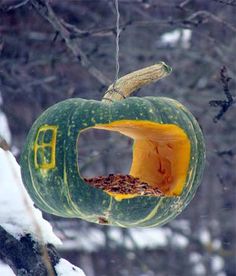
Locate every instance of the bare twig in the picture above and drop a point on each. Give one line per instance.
(229, 153)
(227, 2)
(184, 3)
(3, 144)
(229, 98)
(15, 6)
(206, 15)
(45, 10)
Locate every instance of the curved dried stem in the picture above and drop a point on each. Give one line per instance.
(129, 83)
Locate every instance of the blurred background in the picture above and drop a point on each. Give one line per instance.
(68, 50)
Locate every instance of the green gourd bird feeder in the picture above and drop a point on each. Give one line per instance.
(168, 155)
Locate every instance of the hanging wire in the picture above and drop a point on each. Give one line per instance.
(118, 31)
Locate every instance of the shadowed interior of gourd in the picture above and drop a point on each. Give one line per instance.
(161, 155)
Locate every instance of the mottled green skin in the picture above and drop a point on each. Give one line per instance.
(64, 193)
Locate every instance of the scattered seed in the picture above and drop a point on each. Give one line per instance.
(123, 184)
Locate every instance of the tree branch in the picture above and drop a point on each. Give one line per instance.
(225, 105)
(26, 239)
(45, 10)
(231, 3)
(206, 14)
(26, 256)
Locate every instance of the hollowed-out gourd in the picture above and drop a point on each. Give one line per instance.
(168, 153)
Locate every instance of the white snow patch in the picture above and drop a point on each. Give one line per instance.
(221, 274)
(15, 151)
(18, 216)
(182, 224)
(93, 239)
(177, 36)
(141, 238)
(199, 269)
(179, 240)
(195, 257)
(149, 238)
(1, 100)
(5, 270)
(4, 128)
(204, 236)
(216, 244)
(65, 268)
(217, 263)
(115, 234)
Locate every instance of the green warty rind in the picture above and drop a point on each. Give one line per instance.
(61, 190)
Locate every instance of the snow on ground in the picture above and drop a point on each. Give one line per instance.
(195, 257)
(19, 217)
(217, 263)
(5, 270)
(143, 238)
(17, 213)
(4, 128)
(64, 268)
(182, 224)
(204, 236)
(148, 238)
(197, 261)
(199, 269)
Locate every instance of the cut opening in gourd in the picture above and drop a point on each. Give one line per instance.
(103, 152)
(161, 155)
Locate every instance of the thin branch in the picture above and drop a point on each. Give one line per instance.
(224, 105)
(15, 6)
(184, 3)
(231, 3)
(45, 10)
(3, 144)
(229, 153)
(206, 15)
(192, 21)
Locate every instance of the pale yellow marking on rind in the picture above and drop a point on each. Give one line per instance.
(51, 144)
(70, 201)
(121, 225)
(108, 211)
(162, 222)
(150, 215)
(34, 186)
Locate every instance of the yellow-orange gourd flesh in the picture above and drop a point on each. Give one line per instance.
(161, 154)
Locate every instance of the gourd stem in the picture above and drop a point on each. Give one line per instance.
(129, 83)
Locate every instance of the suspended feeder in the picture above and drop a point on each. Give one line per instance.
(167, 165)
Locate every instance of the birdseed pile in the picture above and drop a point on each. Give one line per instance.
(123, 184)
